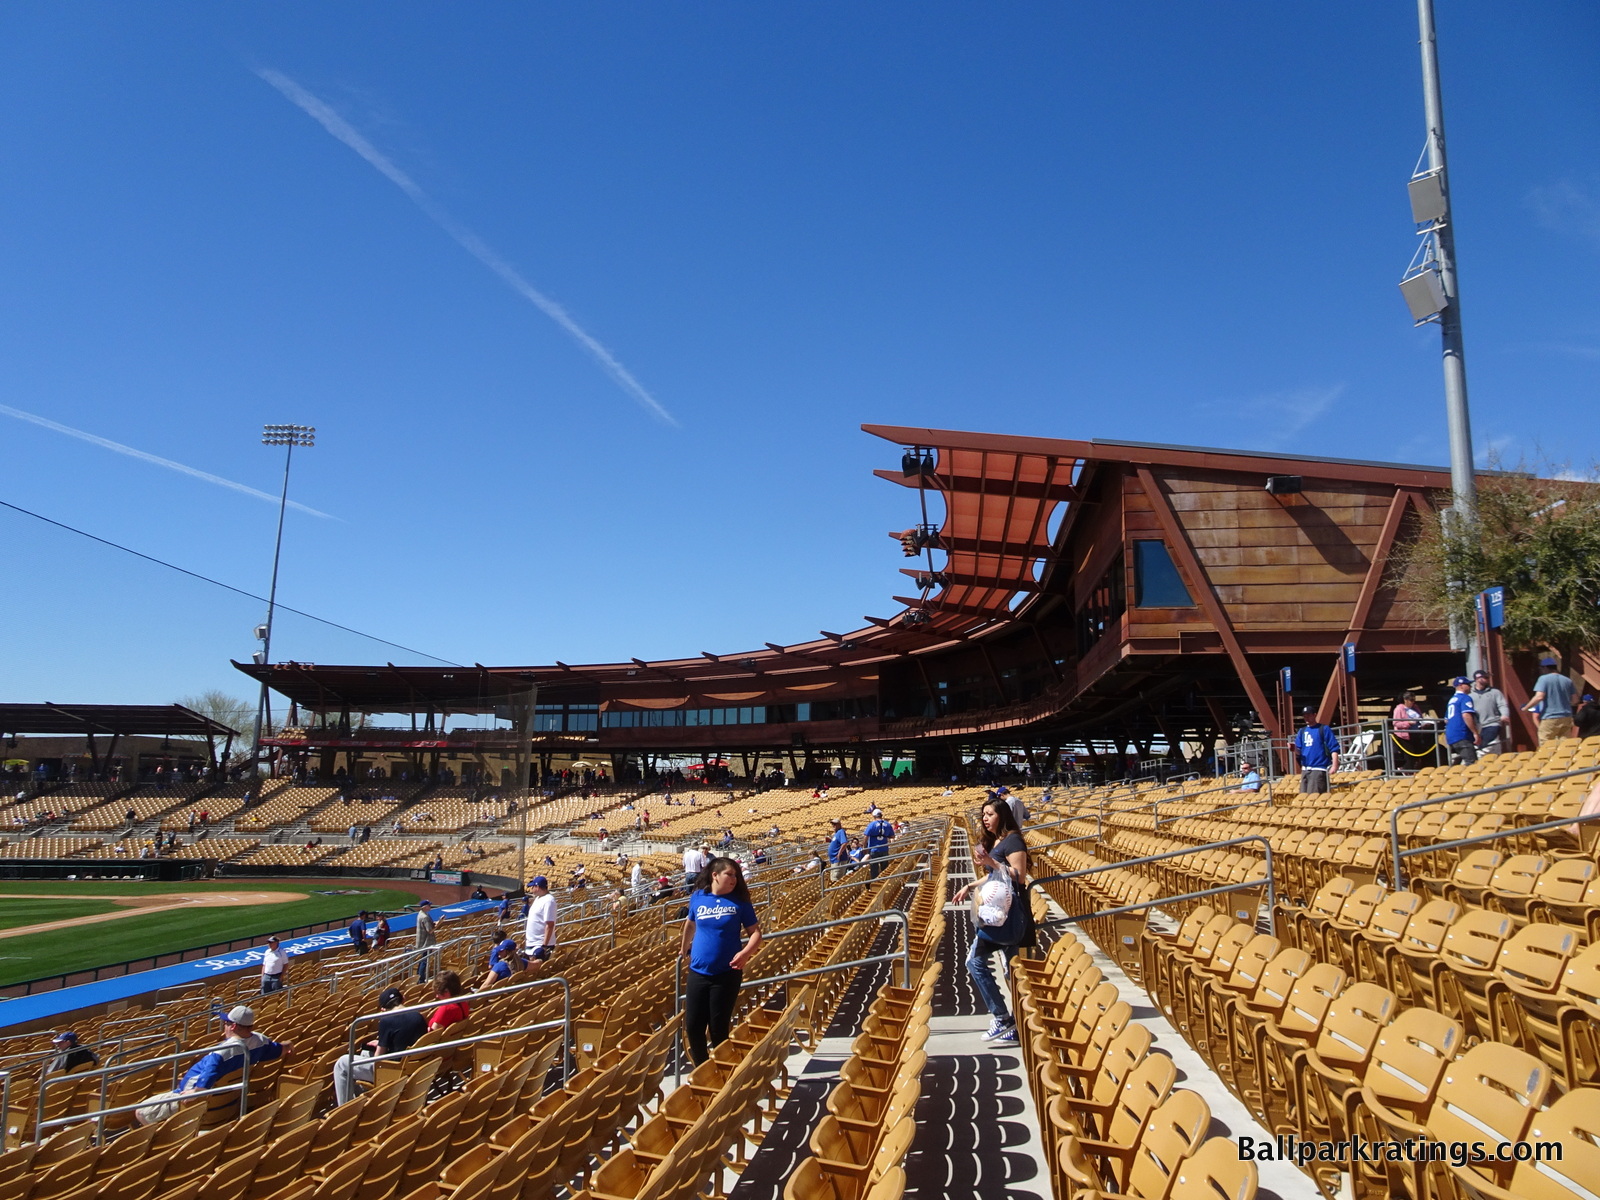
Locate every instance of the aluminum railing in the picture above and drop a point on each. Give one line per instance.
(1481, 838)
(1272, 894)
(565, 1024)
(99, 1114)
(883, 914)
(1394, 815)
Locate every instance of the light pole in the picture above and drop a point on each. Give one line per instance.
(287, 436)
(1433, 294)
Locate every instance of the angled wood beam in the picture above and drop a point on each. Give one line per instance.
(1200, 586)
(1369, 591)
(1025, 488)
(953, 579)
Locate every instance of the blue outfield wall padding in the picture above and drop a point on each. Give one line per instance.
(23, 1010)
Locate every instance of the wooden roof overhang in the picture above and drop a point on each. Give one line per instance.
(1009, 507)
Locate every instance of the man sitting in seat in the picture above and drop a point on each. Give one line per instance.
(397, 1031)
(72, 1055)
(213, 1069)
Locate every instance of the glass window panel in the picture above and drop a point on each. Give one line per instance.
(1156, 582)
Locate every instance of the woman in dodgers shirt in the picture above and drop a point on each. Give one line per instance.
(718, 910)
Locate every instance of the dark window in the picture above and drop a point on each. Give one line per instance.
(1104, 605)
(1156, 582)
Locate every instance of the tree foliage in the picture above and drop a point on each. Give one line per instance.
(1537, 537)
(230, 711)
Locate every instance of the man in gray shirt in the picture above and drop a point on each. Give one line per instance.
(1490, 704)
(1554, 691)
(425, 939)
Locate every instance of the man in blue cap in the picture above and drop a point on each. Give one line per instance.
(1552, 700)
(1461, 732)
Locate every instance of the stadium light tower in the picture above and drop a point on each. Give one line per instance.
(287, 436)
(1432, 292)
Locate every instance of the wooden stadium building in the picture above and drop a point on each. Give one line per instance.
(1100, 596)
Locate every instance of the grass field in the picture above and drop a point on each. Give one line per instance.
(81, 947)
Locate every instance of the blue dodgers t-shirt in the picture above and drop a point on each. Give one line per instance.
(836, 845)
(1316, 745)
(1455, 723)
(718, 921)
(878, 834)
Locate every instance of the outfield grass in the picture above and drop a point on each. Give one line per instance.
(14, 913)
(37, 955)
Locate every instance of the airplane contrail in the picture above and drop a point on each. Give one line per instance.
(108, 444)
(322, 114)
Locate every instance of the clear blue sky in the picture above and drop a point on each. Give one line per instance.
(1170, 222)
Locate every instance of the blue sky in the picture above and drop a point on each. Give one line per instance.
(1165, 222)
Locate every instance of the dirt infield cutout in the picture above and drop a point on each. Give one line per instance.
(138, 906)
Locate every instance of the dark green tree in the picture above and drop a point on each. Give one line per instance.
(1537, 536)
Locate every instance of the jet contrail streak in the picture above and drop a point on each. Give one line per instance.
(325, 116)
(108, 444)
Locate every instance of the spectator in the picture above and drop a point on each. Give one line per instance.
(1461, 732)
(695, 859)
(837, 846)
(878, 834)
(274, 965)
(1586, 721)
(71, 1055)
(397, 1031)
(449, 989)
(380, 933)
(502, 961)
(424, 939)
(479, 894)
(503, 913)
(1489, 702)
(1252, 778)
(540, 935)
(358, 932)
(636, 880)
(1408, 726)
(1552, 700)
(1001, 849)
(719, 908)
(212, 1070)
(1318, 749)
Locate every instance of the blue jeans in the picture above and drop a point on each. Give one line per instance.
(983, 975)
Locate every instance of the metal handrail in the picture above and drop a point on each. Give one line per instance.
(564, 1024)
(1226, 808)
(242, 1087)
(1272, 894)
(1394, 815)
(1156, 903)
(494, 993)
(1499, 835)
(882, 914)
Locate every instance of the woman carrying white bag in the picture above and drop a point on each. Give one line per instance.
(1003, 918)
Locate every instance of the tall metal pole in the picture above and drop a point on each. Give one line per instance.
(1463, 484)
(287, 436)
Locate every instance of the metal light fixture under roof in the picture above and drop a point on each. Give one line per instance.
(916, 461)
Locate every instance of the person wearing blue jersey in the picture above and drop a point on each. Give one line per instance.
(720, 912)
(1317, 747)
(838, 848)
(1461, 723)
(878, 834)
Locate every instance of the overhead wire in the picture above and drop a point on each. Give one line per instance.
(218, 583)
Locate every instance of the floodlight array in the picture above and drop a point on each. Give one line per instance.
(288, 435)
